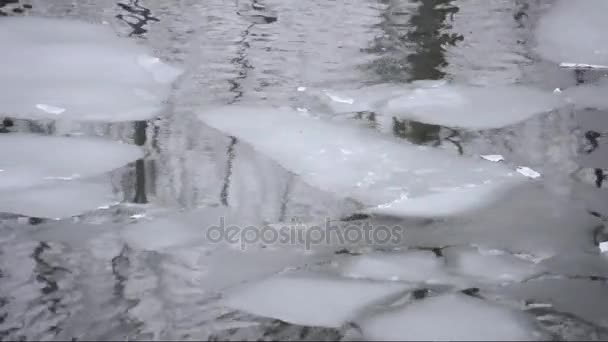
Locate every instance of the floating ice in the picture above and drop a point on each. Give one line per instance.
(301, 88)
(603, 247)
(411, 266)
(588, 95)
(493, 157)
(528, 172)
(450, 317)
(573, 32)
(309, 299)
(66, 69)
(30, 159)
(499, 267)
(470, 106)
(378, 170)
(56, 200)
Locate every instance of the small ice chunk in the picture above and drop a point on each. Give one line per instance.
(339, 99)
(34, 159)
(450, 317)
(301, 88)
(50, 109)
(582, 66)
(309, 299)
(493, 157)
(603, 247)
(528, 172)
(557, 90)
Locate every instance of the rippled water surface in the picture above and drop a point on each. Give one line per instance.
(252, 53)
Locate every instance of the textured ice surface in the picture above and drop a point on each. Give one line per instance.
(66, 69)
(58, 199)
(450, 317)
(491, 266)
(573, 32)
(309, 299)
(472, 107)
(30, 159)
(359, 163)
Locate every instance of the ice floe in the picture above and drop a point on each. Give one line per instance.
(591, 95)
(410, 266)
(528, 172)
(310, 299)
(489, 265)
(573, 32)
(447, 104)
(472, 107)
(31, 159)
(67, 69)
(362, 164)
(450, 317)
(58, 199)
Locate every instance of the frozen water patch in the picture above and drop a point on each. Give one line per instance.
(309, 299)
(450, 317)
(470, 106)
(528, 172)
(360, 163)
(493, 157)
(34, 159)
(573, 32)
(57, 200)
(489, 266)
(357, 100)
(66, 69)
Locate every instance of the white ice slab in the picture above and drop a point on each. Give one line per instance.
(573, 32)
(309, 299)
(357, 162)
(491, 266)
(59, 199)
(357, 100)
(67, 69)
(30, 159)
(450, 317)
(471, 106)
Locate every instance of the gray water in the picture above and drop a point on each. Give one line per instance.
(232, 53)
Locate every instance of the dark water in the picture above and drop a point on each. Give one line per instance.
(260, 52)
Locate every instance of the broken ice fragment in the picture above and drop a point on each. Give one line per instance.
(582, 66)
(528, 172)
(603, 247)
(493, 157)
(301, 88)
(50, 109)
(339, 99)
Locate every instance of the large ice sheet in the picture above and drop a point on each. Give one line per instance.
(30, 159)
(573, 32)
(472, 107)
(359, 163)
(66, 69)
(310, 299)
(589, 96)
(57, 200)
(448, 318)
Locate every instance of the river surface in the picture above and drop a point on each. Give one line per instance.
(260, 53)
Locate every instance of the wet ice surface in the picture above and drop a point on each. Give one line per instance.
(143, 269)
(393, 176)
(66, 69)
